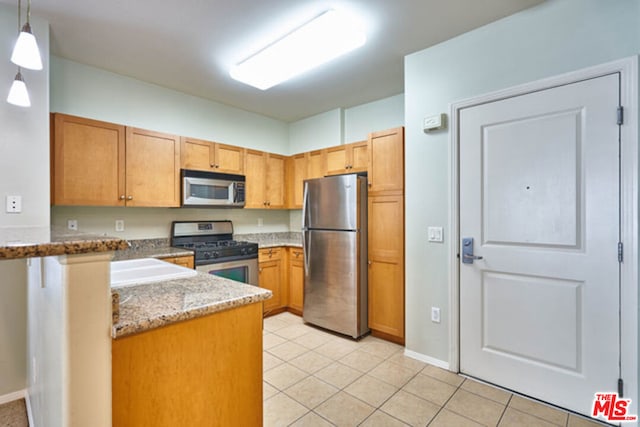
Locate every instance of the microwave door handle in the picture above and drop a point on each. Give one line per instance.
(234, 192)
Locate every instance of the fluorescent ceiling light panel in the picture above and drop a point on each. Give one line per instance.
(324, 38)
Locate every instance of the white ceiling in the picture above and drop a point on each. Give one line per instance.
(188, 45)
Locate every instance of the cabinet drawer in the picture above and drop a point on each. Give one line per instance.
(295, 253)
(269, 254)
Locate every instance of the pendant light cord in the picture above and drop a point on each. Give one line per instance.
(19, 17)
(28, 10)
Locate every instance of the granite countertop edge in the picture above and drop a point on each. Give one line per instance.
(160, 313)
(63, 244)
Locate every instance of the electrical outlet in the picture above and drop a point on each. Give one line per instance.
(72, 224)
(34, 370)
(119, 224)
(14, 204)
(260, 223)
(435, 314)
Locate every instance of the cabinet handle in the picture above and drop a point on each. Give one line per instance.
(260, 270)
(122, 197)
(369, 184)
(217, 166)
(369, 262)
(130, 198)
(212, 165)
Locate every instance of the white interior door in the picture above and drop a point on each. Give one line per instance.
(539, 193)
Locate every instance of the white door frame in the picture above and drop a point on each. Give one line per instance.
(628, 69)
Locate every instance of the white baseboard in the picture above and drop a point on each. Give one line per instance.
(29, 413)
(20, 394)
(427, 359)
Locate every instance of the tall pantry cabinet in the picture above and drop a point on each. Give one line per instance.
(386, 234)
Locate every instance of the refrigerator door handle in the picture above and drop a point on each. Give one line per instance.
(305, 250)
(305, 200)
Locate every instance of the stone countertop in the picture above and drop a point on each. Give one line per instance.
(152, 305)
(150, 248)
(272, 240)
(28, 242)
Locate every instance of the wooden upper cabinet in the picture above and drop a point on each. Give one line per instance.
(296, 174)
(229, 158)
(88, 162)
(103, 164)
(347, 158)
(256, 167)
(275, 181)
(265, 180)
(197, 154)
(152, 168)
(316, 164)
(386, 162)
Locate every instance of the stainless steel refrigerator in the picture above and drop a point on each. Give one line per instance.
(334, 231)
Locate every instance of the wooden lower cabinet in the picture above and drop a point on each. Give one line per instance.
(386, 267)
(296, 281)
(272, 277)
(184, 261)
(200, 372)
(282, 272)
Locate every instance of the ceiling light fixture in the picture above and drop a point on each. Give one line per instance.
(25, 52)
(18, 94)
(320, 40)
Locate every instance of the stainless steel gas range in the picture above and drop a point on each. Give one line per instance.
(215, 250)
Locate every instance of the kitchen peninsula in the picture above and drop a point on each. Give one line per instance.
(195, 338)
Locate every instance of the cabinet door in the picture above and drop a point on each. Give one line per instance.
(275, 181)
(184, 261)
(386, 266)
(255, 167)
(316, 167)
(296, 174)
(88, 162)
(229, 159)
(152, 168)
(196, 154)
(337, 160)
(296, 280)
(271, 278)
(359, 157)
(386, 161)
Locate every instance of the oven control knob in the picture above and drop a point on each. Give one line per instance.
(216, 254)
(206, 255)
(243, 251)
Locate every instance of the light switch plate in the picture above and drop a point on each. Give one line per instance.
(435, 234)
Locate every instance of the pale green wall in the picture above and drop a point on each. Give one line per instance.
(24, 170)
(383, 114)
(555, 37)
(319, 131)
(345, 125)
(91, 92)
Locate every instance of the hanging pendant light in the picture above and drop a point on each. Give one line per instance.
(18, 94)
(26, 53)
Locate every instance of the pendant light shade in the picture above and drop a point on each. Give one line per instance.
(26, 53)
(18, 94)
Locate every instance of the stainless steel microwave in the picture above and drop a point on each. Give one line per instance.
(211, 189)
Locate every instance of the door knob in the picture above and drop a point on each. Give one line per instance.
(467, 251)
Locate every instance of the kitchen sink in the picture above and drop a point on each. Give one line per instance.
(145, 270)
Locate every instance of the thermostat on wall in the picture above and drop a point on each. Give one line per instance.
(437, 122)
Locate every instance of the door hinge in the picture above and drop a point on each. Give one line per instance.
(620, 387)
(620, 115)
(620, 252)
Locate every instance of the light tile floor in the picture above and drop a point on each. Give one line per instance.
(315, 378)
